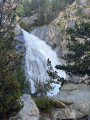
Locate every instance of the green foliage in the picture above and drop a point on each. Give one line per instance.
(45, 87)
(21, 80)
(44, 103)
(9, 94)
(12, 79)
(20, 11)
(47, 10)
(54, 77)
(80, 50)
(81, 31)
(27, 8)
(40, 18)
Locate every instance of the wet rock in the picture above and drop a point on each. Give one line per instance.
(20, 39)
(20, 44)
(20, 48)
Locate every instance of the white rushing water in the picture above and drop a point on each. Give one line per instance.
(37, 53)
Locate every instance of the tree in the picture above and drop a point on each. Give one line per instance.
(80, 51)
(46, 10)
(11, 74)
(27, 8)
(40, 17)
(20, 11)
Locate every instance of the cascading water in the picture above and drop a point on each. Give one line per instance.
(37, 53)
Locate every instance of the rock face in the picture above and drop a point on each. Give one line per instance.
(76, 97)
(50, 33)
(17, 29)
(29, 20)
(30, 110)
(20, 43)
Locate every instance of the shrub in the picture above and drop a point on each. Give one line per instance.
(25, 27)
(20, 11)
(44, 103)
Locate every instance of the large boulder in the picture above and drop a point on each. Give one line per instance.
(76, 100)
(30, 110)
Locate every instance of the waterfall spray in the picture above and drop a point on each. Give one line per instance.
(37, 53)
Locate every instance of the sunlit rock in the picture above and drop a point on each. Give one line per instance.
(30, 110)
(79, 97)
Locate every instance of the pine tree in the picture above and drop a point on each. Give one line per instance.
(80, 51)
(11, 75)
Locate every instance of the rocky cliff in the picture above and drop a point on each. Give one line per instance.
(54, 33)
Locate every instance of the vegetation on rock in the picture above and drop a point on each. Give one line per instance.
(79, 45)
(47, 10)
(44, 103)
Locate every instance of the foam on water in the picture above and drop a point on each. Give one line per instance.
(37, 53)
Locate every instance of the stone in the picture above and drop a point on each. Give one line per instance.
(58, 51)
(18, 29)
(20, 39)
(30, 110)
(79, 97)
(64, 113)
(44, 116)
(50, 34)
(29, 20)
(20, 48)
(17, 18)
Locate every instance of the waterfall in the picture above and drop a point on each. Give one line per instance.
(37, 53)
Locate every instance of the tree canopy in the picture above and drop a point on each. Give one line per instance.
(12, 79)
(46, 10)
(79, 45)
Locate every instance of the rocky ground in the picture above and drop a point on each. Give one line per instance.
(76, 98)
(75, 102)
